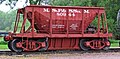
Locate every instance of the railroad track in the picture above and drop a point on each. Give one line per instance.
(8, 52)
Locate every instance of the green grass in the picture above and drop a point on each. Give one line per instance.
(3, 47)
(3, 44)
(114, 45)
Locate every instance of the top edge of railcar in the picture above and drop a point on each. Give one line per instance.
(49, 6)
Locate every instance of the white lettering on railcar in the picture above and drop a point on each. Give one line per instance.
(74, 11)
(71, 14)
(63, 12)
(86, 11)
(74, 26)
(58, 10)
(46, 10)
(58, 26)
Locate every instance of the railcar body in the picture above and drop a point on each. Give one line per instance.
(59, 27)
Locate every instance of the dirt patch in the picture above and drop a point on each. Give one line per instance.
(109, 55)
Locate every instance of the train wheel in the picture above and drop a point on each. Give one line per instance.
(107, 47)
(13, 45)
(82, 45)
(46, 45)
(9, 45)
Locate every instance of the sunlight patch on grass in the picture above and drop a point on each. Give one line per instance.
(3, 47)
(114, 45)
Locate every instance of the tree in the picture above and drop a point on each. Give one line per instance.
(35, 2)
(112, 9)
(6, 20)
(71, 2)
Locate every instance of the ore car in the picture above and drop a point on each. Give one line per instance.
(41, 28)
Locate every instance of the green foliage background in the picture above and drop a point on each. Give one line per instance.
(7, 20)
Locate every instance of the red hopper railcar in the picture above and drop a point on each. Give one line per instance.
(59, 27)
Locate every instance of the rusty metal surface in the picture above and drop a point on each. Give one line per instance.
(63, 26)
(62, 20)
